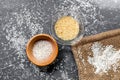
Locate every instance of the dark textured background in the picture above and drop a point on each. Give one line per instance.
(21, 19)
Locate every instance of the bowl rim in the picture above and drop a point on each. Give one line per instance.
(68, 42)
(54, 54)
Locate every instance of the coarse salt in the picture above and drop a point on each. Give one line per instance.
(67, 28)
(42, 49)
(104, 58)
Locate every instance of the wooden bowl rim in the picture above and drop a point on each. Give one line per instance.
(54, 53)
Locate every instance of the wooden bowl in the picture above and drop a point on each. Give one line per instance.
(29, 48)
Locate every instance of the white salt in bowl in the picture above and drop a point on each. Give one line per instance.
(29, 49)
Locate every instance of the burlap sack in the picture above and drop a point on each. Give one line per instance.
(82, 51)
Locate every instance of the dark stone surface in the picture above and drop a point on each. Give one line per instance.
(21, 19)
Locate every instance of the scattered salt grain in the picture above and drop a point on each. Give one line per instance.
(104, 58)
(42, 49)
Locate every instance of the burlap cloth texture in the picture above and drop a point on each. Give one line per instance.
(82, 50)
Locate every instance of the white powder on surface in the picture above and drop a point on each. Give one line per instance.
(108, 4)
(19, 26)
(42, 49)
(30, 20)
(104, 58)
